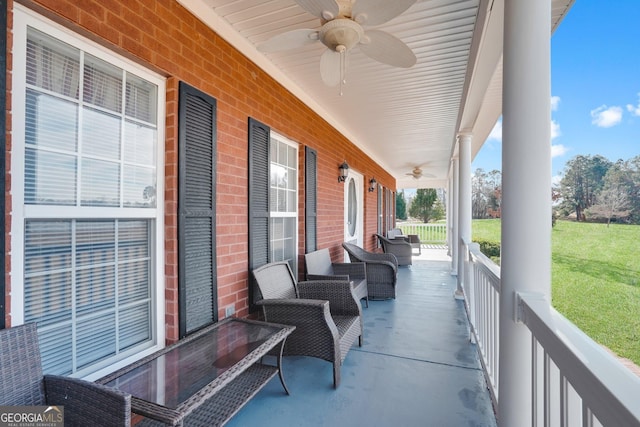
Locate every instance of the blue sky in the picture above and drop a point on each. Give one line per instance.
(595, 86)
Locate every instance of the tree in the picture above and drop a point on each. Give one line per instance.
(479, 201)
(437, 210)
(632, 174)
(486, 194)
(614, 198)
(422, 204)
(401, 206)
(612, 202)
(582, 181)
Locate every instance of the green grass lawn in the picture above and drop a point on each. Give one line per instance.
(595, 279)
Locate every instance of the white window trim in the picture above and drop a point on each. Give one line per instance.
(22, 18)
(275, 214)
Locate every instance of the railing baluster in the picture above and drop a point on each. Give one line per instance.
(564, 401)
(534, 381)
(587, 416)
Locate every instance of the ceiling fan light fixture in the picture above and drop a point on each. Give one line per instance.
(339, 32)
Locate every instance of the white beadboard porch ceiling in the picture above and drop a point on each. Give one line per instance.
(402, 118)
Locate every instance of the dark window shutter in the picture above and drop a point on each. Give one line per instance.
(197, 281)
(381, 229)
(388, 216)
(392, 209)
(311, 198)
(258, 201)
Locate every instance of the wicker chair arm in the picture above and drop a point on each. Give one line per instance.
(378, 257)
(398, 241)
(325, 277)
(87, 403)
(381, 271)
(292, 311)
(310, 317)
(391, 264)
(342, 300)
(355, 270)
(399, 249)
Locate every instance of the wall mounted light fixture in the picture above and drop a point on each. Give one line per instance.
(372, 185)
(344, 172)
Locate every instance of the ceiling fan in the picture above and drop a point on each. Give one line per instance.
(417, 173)
(341, 31)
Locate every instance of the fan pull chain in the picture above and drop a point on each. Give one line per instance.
(343, 67)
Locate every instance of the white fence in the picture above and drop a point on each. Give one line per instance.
(575, 382)
(428, 233)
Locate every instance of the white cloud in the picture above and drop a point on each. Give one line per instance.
(558, 150)
(555, 129)
(634, 109)
(496, 132)
(555, 101)
(606, 117)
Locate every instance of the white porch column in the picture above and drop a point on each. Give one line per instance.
(464, 205)
(454, 218)
(526, 193)
(449, 212)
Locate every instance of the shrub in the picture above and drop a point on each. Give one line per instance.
(490, 248)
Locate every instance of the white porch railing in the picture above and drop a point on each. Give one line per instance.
(482, 298)
(575, 382)
(428, 233)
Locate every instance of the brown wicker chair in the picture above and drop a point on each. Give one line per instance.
(22, 383)
(326, 314)
(318, 266)
(399, 247)
(382, 270)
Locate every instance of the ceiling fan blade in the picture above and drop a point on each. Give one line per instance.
(376, 12)
(388, 49)
(330, 67)
(289, 40)
(326, 9)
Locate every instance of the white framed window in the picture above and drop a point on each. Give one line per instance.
(283, 199)
(87, 186)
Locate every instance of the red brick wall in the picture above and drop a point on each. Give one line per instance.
(165, 37)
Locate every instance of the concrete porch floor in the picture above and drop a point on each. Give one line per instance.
(416, 367)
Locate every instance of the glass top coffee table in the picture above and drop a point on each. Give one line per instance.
(206, 378)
